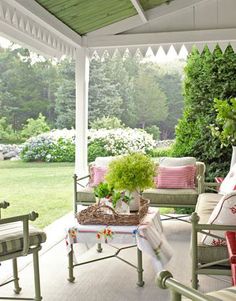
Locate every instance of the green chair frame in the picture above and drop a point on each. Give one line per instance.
(165, 280)
(214, 267)
(25, 251)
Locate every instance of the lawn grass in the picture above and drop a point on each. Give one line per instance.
(46, 188)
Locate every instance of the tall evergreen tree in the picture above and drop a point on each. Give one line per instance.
(65, 95)
(104, 98)
(150, 101)
(23, 86)
(207, 76)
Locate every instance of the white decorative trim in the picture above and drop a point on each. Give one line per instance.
(25, 30)
(40, 15)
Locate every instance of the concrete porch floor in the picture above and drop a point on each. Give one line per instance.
(109, 280)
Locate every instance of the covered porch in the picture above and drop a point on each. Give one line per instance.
(53, 29)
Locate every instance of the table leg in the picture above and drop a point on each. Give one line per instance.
(99, 247)
(140, 268)
(71, 277)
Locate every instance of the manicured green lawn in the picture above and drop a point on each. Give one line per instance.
(46, 188)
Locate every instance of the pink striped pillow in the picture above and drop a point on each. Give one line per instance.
(176, 177)
(97, 175)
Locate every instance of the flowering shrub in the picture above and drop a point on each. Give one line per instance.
(59, 145)
(54, 146)
(121, 141)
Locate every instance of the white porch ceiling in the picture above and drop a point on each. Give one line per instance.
(181, 22)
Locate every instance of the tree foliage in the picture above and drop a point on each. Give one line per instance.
(207, 76)
(104, 98)
(150, 101)
(138, 92)
(34, 127)
(26, 88)
(65, 95)
(107, 123)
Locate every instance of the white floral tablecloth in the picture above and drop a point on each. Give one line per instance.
(148, 236)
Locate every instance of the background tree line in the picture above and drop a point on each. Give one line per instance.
(139, 93)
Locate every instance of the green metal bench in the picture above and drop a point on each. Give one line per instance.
(18, 238)
(83, 194)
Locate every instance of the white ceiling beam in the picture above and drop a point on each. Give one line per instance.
(139, 10)
(35, 11)
(151, 14)
(193, 36)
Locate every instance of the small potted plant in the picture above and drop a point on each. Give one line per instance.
(120, 202)
(132, 173)
(103, 193)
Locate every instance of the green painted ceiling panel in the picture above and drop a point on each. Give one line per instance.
(84, 16)
(148, 4)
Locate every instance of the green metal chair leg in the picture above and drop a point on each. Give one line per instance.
(140, 268)
(194, 220)
(99, 247)
(71, 277)
(38, 296)
(15, 276)
(175, 296)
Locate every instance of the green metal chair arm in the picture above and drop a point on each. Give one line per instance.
(200, 227)
(4, 205)
(165, 280)
(212, 186)
(25, 220)
(77, 180)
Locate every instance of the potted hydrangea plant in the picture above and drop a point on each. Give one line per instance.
(132, 173)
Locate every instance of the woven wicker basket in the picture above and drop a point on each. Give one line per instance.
(95, 215)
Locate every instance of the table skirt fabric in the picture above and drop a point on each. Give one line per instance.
(148, 236)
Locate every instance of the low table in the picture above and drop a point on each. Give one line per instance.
(148, 237)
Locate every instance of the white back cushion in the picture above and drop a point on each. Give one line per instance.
(229, 183)
(103, 161)
(224, 213)
(172, 162)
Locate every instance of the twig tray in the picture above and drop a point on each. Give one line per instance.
(96, 215)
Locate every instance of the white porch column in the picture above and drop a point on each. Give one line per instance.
(81, 124)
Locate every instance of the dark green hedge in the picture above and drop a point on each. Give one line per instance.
(207, 76)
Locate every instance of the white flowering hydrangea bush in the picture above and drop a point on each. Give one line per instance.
(54, 146)
(115, 142)
(59, 145)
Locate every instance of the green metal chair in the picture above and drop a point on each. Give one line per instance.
(165, 280)
(18, 238)
(208, 260)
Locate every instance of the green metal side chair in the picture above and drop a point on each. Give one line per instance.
(208, 260)
(18, 238)
(165, 280)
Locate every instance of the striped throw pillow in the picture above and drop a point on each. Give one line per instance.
(176, 177)
(97, 175)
